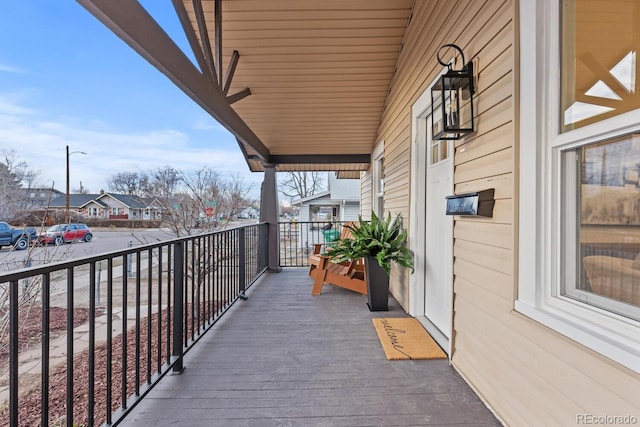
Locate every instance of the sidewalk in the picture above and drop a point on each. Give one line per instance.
(30, 361)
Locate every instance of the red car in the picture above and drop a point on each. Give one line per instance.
(66, 233)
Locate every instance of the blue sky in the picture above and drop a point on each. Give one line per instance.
(65, 79)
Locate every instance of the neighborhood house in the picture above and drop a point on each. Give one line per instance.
(109, 206)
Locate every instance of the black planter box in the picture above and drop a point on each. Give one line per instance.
(377, 285)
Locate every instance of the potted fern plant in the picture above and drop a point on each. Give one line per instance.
(380, 242)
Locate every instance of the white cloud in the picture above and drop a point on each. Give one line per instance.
(41, 142)
(207, 123)
(10, 109)
(9, 69)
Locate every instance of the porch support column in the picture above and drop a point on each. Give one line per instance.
(269, 214)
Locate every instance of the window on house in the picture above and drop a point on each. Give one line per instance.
(599, 46)
(324, 213)
(601, 224)
(579, 257)
(600, 195)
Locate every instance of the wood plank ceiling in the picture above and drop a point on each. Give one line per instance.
(318, 71)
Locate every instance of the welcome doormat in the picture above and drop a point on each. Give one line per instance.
(406, 339)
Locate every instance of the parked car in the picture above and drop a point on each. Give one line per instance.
(65, 233)
(19, 238)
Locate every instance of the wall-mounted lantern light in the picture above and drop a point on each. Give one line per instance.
(452, 100)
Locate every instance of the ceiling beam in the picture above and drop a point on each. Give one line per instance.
(201, 22)
(239, 95)
(233, 63)
(131, 22)
(311, 159)
(217, 14)
(205, 66)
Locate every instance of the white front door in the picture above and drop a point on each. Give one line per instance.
(438, 237)
(432, 230)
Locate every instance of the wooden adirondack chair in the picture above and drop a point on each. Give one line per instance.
(348, 275)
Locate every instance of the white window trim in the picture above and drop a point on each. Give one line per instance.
(376, 192)
(611, 335)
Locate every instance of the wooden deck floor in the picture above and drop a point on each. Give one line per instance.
(286, 358)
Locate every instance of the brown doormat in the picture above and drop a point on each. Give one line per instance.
(406, 339)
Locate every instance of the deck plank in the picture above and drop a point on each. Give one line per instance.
(286, 358)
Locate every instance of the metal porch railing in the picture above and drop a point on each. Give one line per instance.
(297, 239)
(146, 307)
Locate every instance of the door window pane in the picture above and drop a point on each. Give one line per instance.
(439, 151)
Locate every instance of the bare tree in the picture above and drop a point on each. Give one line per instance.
(163, 182)
(81, 189)
(298, 185)
(235, 197)
(16, 179)
(131, 183)
(185, 211)
(179, 214)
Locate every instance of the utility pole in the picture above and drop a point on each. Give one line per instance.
(67, 198)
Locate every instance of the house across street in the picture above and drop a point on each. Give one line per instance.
(109, 206)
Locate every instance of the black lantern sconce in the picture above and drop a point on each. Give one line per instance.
(452, 100)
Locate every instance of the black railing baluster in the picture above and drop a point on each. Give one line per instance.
(209, 255)
(255, 235)
(46, 305)
(92, 342)
(178, 305)
(188, 282)
(221, 295)
(160, 270)
(137, 326)
(201, 300)
(191, 333)
(109, 338)
(70, 321)
(225, 266)
(228, 275)
(218, 262)
(195, 289)
(149, 306)
(170, 282)
(202, 289)
(212, 274)
(253, 244)
(13, 352)
(242, 263)
(125, 304)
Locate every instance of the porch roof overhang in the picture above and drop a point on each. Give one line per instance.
(300, 83)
